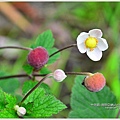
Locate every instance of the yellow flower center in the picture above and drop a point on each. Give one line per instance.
(91, 43)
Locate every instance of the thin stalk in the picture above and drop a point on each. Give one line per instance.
(20, 75)
(34, 88)
(79, 73)
(16, 47)
(37, 75)
(118, 114)
(73, 45)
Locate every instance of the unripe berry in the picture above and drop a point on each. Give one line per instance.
(95, 82)
(21, 111)
(38, 57)
(59, 75)
(16, 107)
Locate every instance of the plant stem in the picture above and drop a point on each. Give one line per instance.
(48, 75)
(35, 75)
(20, 75)
(73, 45)
(16, 47)
(79, 73)
(118, 114)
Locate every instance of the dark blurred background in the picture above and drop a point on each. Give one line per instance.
(21, 22)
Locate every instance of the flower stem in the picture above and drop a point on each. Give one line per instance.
(20, 75)
(79, 73)
(48, 75)
(73, 45)
(35, 75)
(16, 47)
(118, 114)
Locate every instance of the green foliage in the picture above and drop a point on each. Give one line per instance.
(10, 85)
(112, 64)
(7, 103)
(45, 40)
(28, 68)
(53, 58)
(86, 104)
(44, 70)
(41, 103)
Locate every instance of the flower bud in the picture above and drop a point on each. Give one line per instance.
(95, 82)
(38, 57)
(59, 75)
(16, 107)
(21, 111)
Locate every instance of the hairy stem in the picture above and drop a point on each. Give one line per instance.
(16, 47)
(79, 73)
(21, 75)
(118, 114)
(73, 45)
(35, 75)
(48, 75)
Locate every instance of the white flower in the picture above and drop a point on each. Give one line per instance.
(92, 44)
(21, 111)
(59, 75)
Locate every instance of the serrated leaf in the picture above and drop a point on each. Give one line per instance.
(43, 105)
(7, 103)
(8, 113)
(86, 104)
(30, 84)
(45, 39)
(53, 58)
(9, 85)
(2, 99)
(2, 96)
(28, 69)
(44, 70)
(11, 101)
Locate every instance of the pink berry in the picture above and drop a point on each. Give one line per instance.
(38, 57)
(95, 82)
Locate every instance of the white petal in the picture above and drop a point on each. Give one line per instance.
(82, 37)
(102, 44)
(95, 55)
(83, 33)
(82, 48)
(95, 33)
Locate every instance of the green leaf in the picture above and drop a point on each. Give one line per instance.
(30, 84)
(10, 100)
(53, 58)
(9, 85)
(7, 103)
(8, 113)
(2, 99)
(86, 104)
(28, 69)
(41, 103)
(45, 39)
(44, 70)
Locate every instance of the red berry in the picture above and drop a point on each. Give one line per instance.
(38, 57)
(95, 82)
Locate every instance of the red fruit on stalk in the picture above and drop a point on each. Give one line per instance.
(38, 57)
(95, 82)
